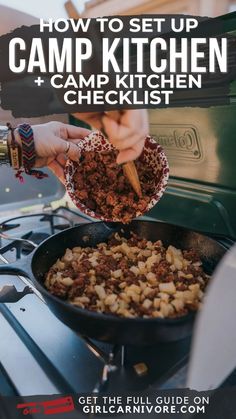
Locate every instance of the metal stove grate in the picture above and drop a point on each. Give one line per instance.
(53, 358)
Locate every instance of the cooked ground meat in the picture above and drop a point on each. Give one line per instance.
(130, 278)
(101, 186)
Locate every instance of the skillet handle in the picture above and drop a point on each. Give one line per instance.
(20, 267)
(9, 293)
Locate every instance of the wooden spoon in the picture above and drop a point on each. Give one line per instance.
(71, 10)
(129, 168)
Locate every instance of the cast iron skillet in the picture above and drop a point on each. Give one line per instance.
(105, 327)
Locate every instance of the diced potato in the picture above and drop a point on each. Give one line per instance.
(189, 276)
(114, 307)
(152, 260)
(147, 253)
(53, 279)
(157, 302)
(110, 299)
(117, 273)
(195, 288)
(188, 296)
(141, 369)
(178, 263)
(82, 299)
(147, 291)
(135, 288)
(68, 257)
(77, 249)
(178, 304)
(181, 274)
(143, 285)
(134, 249)
(158, 314)
(142, 267)
(117, 255)
(125, 297)
(168, 287)
(126, 313)
(133, 295)
(163, 296)
(124, 248)
(108, 252)
(164, 308)
(67, 281)
(60, 265)
(179, 295)
(100, 292)
(152, 279)
(135, 270)
(147, 303)
(174, 256)
(123, 305)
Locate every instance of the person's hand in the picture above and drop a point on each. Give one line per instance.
(126, 134)
(54, 143)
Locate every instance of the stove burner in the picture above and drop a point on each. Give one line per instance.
(64, 361)
(108, 368)
(55, 220)
(7, 227)
(18, 246)
(133, 368)
(50, 218)
(35, 237)
(115, 366)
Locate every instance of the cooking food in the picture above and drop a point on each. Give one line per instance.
(98, 187)
(130, 278)
(101, 185)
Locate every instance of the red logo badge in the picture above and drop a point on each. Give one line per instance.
(51, 407)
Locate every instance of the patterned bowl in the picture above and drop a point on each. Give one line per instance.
(152, 154)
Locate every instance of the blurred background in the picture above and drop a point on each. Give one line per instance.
(193, 7)
(15, 13)
(93, 8)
